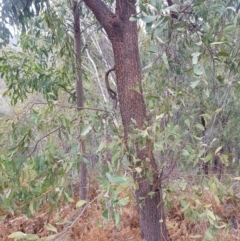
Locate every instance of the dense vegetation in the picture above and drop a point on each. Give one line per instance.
(122, 104)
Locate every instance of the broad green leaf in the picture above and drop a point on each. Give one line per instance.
(50, 227)
(185, 152)
(148, 19)
(194, 83)
(154, 3)
(195, 57)
(230, 29)
(123, 202)
(86, 130)
(224, 159)
(105, 214)
(198, 69)
(210, 214)
(17, 235)
(80, 203)
(142, 7)
(118, 179)
(208, 158)
(185, 207)
(199, 126)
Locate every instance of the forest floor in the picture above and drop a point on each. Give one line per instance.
(83, 227)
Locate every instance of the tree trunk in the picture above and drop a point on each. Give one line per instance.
(80, 99)
(123, 36)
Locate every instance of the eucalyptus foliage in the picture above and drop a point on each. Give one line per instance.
(190, 59)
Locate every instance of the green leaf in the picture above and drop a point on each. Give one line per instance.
(148, 19)
(117, 219)
(32, 237)
(17, 235)
(210, 214)
(159, 40)
(208, 158)
(218, 110)
(173, 8)
(165, 60)
(86, 130)
(220, 79)
(194, 84)
(31, 208)
(215, 43)
(218, 149)
(198, 69)
(195, 57)
(117, 179)
(69, 199)
(223, 54)
(123, 202)
(185, 153)
(199, 126)
(80, 203)
(105, 214)
(101, 147)
(50, 227)
(229, 29)
(185, 207)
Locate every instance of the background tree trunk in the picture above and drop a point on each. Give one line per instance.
(124, 39)
(80, 99)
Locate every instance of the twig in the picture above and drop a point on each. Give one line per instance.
(111, 92)
(35, 147)
(70, 107)
(73, 223)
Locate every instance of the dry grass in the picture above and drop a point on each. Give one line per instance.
(180, 227)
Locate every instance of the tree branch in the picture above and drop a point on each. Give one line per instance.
(101, 12)
(172, 14)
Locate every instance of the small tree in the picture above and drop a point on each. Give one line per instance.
(124, 38)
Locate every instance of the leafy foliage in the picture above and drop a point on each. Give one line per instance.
(190, 64)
